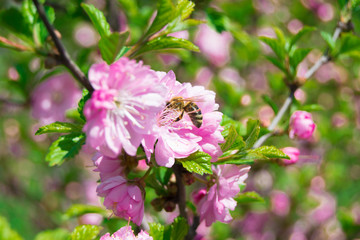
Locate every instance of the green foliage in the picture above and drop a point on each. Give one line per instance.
(217, 20)
(85, 232)
(166, 42)
(59, 127)
(297, 56)
(14, 21)
(165, 13)
(57, 234)
(233, 140)
(294, 39)
(253, 130)
(176, 231)
(248, 197)
(271, 152)
(85, 96)
(98, 19)
(77, 210)
(271, 103)
(6, 233)
(328, 39)
(163, 175)
(276, 46)
(66, 146)
(110, 46)
(349, 45)
(198, 162)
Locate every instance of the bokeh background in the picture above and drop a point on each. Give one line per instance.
(316, 198)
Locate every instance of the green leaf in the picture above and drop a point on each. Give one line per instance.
(270, 152)
(85, 232)
(40, 32)
(156, 231)
(6, 233)
(110, 46)
(276, 46)
(241, 158)
(123, 51)
(305, 30)
(56, 234)
(179, 228)
(233, 140)
(311, 107)
(280, 36)
(328, 39)
(59, 127)
(163, 175)
(98, 19)
(85, 96)
(348, 43)
(66, 146)
(227, 123)
(297, 56)
(253, 128)
(198, 162)
(277, 63)
(271, 103)
(217, 20)
(248, 197)
(77, 210)
(153, 182)
(166, 13)
(166, 42)
(184, 8)
(14, 20)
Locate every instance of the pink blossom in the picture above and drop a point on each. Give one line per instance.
(215, 46)
(198, 195)
(219, 200)
(293, 153)
(53, 97)
(124, 199)
(301, 125)
(178, 139)
(123, 106)
(125, 233)
(280, 203)
(107, 167)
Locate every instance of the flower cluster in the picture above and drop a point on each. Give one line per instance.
(134, 106)
(126, 233)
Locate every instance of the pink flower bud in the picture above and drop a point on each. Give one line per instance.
(198, 195)
(124, 199)
(301, 125)
(293, 153)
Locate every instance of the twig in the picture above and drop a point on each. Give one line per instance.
(322, 60)
(181, 194)
(64, 56)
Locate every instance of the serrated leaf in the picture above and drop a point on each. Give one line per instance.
(198, 162)
(180, 25)
(328, 39)
(305, 30)
(297, 56)
(253, 130)
(166, 42)
(217, 20)
(277, 63)
(59, 127)
(56, 234)
(166, 12)
(242, 158)
(271, 103)
(85, 96)
(270, 152)
(276, 46)
(66, 146)
(248, 197)
(98, 19)
(156, 231)
(77, 210)
(184, 8)
(179, 228)
(85, 232)
(111, 45)
(6, 233)
(233, 140)
(227, 122)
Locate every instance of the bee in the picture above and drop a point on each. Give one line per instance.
(186, 105)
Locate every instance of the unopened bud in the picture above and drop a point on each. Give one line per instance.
(172, 188)
(188, 178)
(169, 206)
(50, 62)
(158, 204)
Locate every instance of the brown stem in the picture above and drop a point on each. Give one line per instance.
(181, 194)
(64, 56)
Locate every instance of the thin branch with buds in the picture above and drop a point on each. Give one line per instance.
(289, 100)
(63, 56)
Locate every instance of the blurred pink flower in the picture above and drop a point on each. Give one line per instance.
(301, 125)
(293, 153)
(125, 200)
(325, 12)
(125, 233)
(85, 35)
(91, 218)
(123, 106)
(53, 97)
(204, 76)
(178, 139)
(232, 76)
(280, 203)
(215, 46)
(216, 204)
(295, 26)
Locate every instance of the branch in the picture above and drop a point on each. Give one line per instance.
(181, 194)
(322, 60)
(64, 56)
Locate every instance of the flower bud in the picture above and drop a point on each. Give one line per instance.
(301, 125)
(169, 206)
(158, 204)
(293, 153)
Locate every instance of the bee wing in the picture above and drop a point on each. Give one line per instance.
(193, 99)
